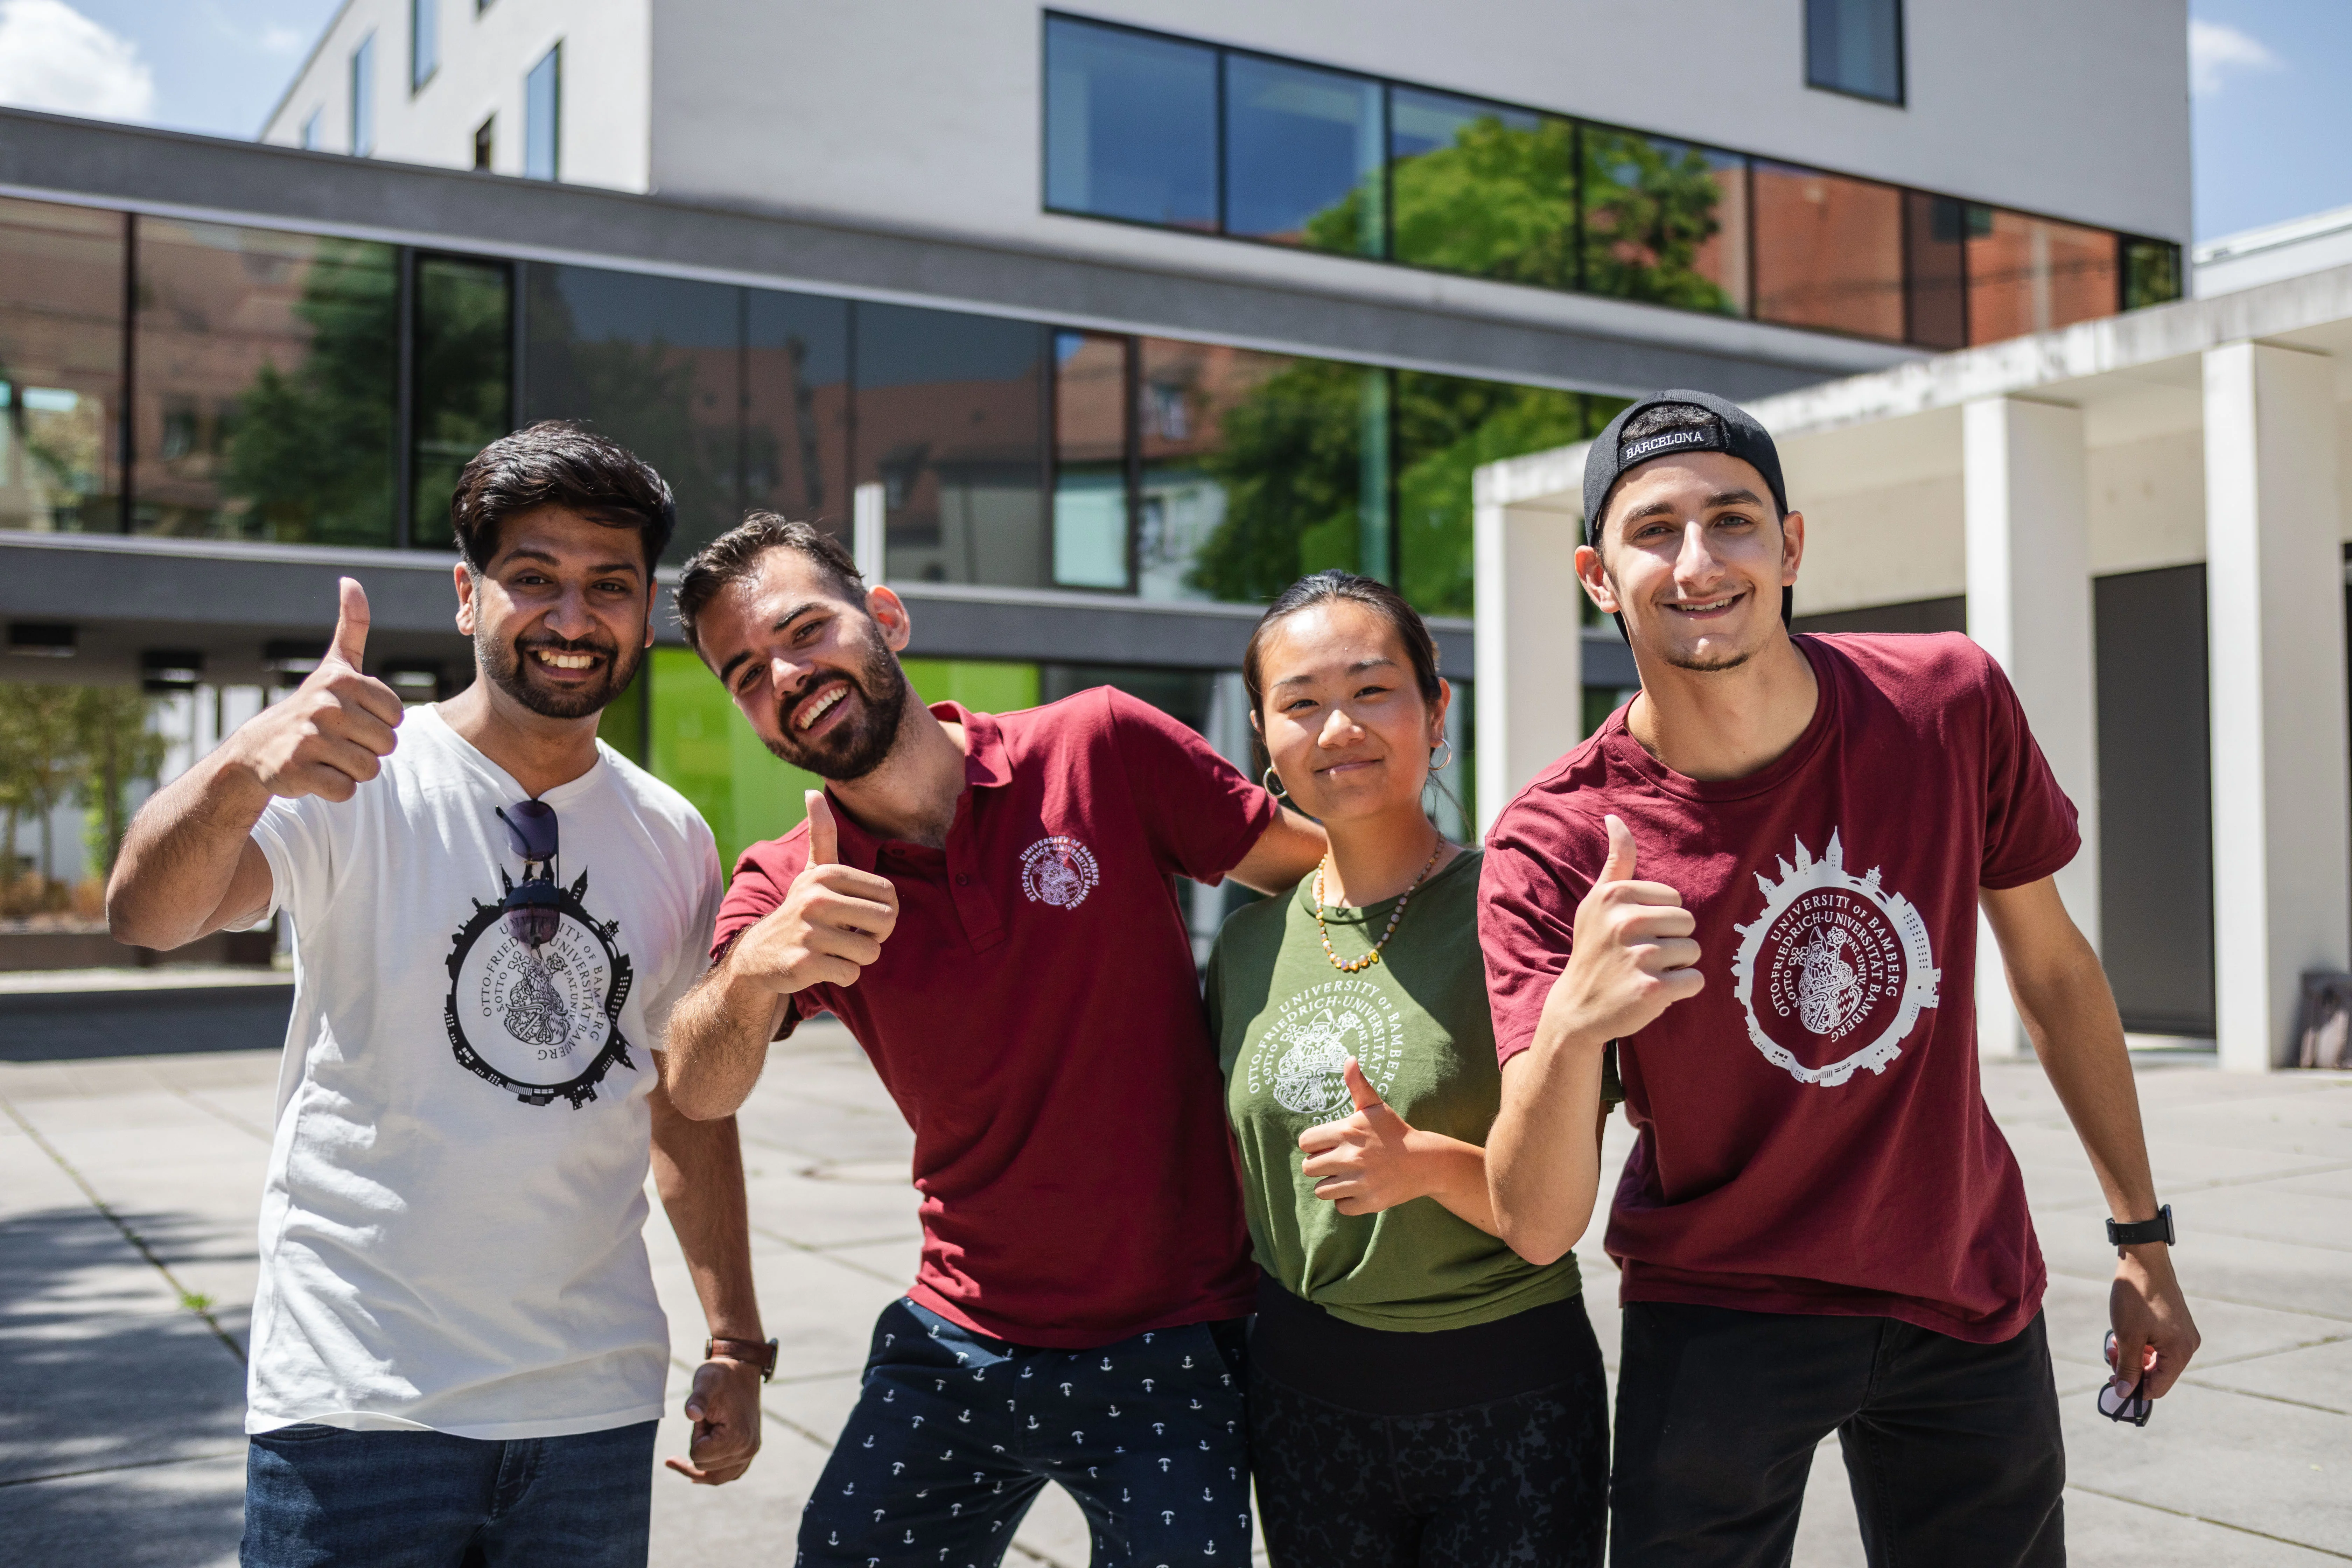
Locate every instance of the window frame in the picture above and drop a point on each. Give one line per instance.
(1901, 99)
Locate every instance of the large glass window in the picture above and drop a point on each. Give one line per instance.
(363, 106)
(60, 368)
(268, 365)
(1130, 126)
(2151, 272)
(464, 369)
(2030, 274)
(653, 362)
(1937, 230)
(1480, 189)
(1303, 156)
(1855, 46)
(796, 407)
(1664, 221)
(1091, 372)
(542, 118)
(951, 424)
(1829, 251)
(423, 41)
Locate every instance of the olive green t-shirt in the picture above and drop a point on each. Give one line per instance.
(1286, 1021)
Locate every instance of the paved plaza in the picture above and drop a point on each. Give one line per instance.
(128, 1186)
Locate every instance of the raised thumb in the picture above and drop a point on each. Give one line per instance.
(1618, 866)
(349, 646)
(824, 838)
(1359, 1087)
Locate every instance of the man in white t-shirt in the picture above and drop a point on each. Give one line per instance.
(458, 1354)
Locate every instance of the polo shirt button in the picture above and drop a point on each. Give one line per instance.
(962, 880)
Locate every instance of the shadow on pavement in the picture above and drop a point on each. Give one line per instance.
(50, 1027)
(122, 1414)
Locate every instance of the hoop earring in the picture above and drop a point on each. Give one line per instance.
(1435, 765)
(1271, 781)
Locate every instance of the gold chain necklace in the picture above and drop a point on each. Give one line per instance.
(1352, 965)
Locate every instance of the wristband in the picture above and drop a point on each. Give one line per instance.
(2139, 1232)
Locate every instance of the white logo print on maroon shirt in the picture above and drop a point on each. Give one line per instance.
(1059, 871)
(1833, 971)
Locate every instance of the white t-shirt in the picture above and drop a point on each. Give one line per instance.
(452, 1228)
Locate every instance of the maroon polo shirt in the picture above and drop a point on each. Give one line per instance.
(1037, 1015)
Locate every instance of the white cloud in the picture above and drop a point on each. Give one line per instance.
(283, 40)
(2218, 51)
(53, 58)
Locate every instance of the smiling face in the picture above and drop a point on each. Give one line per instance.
(1343, 719)
(1693, 556)
(815, 672)
(560, 616)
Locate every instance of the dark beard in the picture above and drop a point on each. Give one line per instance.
(860, 746)
(1709, 666)
(503, 663)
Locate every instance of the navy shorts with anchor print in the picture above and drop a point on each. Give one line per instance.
(956, 1434)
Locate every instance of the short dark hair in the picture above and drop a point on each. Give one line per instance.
(558, 463)
(734, 557)
(1327, 587)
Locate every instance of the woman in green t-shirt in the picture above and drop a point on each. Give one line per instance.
(1418, 1393)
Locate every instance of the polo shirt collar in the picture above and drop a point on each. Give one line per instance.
(986, 765)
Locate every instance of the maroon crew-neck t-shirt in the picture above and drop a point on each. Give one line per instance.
(1811, 1133)
(1037, 1015)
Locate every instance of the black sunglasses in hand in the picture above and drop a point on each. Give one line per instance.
(531, 905)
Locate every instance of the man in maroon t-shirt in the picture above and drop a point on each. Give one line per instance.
(986, 901)
(1820, 1227)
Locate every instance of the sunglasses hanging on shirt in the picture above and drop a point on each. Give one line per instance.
(532, 903)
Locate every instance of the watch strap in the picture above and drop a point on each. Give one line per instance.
(751, 1353)
(2141, 1231)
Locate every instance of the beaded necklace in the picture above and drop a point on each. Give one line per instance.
(1352, 965)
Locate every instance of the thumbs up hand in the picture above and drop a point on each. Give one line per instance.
(330, 734)
(1634, 956)
(1371, 1161)
(830, 925)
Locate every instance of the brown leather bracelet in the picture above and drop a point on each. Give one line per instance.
(751, 1353)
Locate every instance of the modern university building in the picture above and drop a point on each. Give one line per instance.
(1090, 329)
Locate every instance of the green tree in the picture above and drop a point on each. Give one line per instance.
(40, 763)
(1649, 206)
(1290, 463)
(112, 748)
(310, 448)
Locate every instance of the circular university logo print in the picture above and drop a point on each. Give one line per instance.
(1300, 1057)
(1834, 972)
(544, 1022)
(1059, 871)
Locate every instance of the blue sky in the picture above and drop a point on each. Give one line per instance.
(2273, 91)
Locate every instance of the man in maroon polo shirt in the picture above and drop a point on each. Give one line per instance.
(986, 902)
(1762, 880)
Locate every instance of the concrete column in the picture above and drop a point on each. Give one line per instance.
(1531, 669)
(2275, 617)
(2028, 521)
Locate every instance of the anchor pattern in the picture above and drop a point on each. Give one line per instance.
(1149, 1435)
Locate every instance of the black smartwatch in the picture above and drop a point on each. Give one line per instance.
(2141, 1230)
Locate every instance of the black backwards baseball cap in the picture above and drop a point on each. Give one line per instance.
(1731, 431)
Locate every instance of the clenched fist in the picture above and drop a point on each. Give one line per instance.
(332, 734)
(830, 925)
(1634, 956)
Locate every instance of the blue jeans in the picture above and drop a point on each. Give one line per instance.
(956, 1434)
(320, 1496)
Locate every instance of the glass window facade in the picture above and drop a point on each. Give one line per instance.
(2030, 274)
(1829, 251)
(1092, 477)
(1303, 156)
(266, 375)
(1855, 46)
(542, 118)
(795, 434)
(423, 41)
(61, 353)
(463, 366)
(1132, 126)
(1148, 129)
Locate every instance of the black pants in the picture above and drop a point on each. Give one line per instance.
(1952, 1448)
(1519, 1480)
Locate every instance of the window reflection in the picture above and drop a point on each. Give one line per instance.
(796, 406)
(1937, 230)
(465, 381)
(951, 422)
(266, 370)
(1130, 126)
(1483, 190)
(2030, 274)
(1303, 156)
(1829, 251)
(653, 362)
(1856, 46)
(1090, 469)
(1664, 221)
(60, 368)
